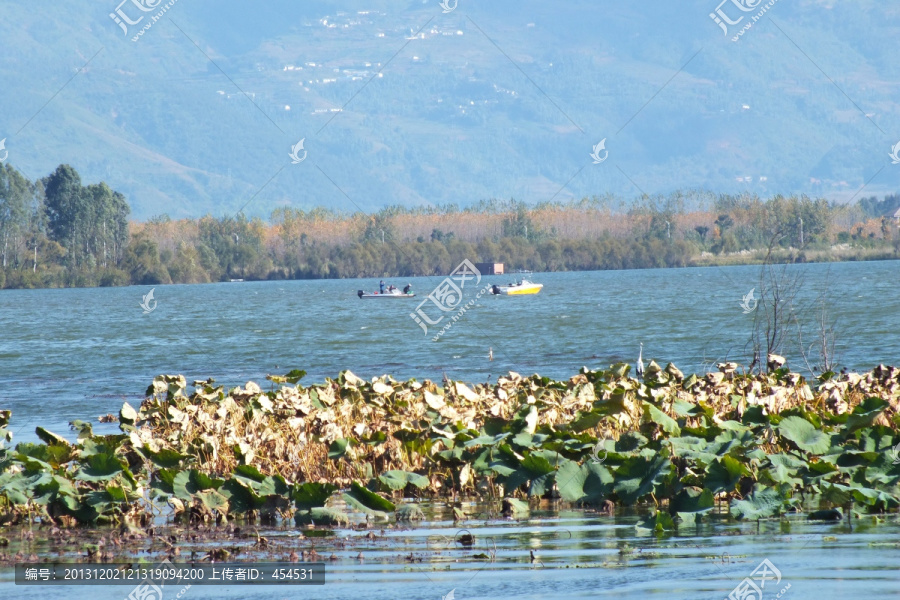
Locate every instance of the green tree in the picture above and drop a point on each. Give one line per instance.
(143, 263)
(15, 193)
(65, 208)
(90, 222)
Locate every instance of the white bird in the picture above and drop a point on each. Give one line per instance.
(640, 362)
(490, 354)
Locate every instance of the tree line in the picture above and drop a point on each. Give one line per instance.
(58, 232)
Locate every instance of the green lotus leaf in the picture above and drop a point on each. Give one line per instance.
(338, 448)
(665, 422)
(484, 440)
(865, 414)
(528, 440)
(272, 485)
(376, 439)
(165, 458)
(639, 476)
(163, 481)
(100, 467)
(586, 421)
(398, 480)
(18, 488)
(692, 500)
(49, 438)
(101, 444)
(40, 457)
(804, 435)
(188, 483)
(321, 516)
(630, 442)
(786, 469)
(310, 495)
(536, 464)
(541, 486)
(515, 507)
(46, 491)
(687, 409)
(692, 448)
(570, 481)
(241, 498)
(213, 501)
(294, 375)
(127, 414)
(249, 472)
(368, 499)
(724, 474)
(761, 504)
(588, 483)
(503, 466)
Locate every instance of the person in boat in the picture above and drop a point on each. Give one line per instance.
(381, 285)
(407, 289)
(391, 289)
(495, 290)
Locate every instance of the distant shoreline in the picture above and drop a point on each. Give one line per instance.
(745, 258)
(92, 242)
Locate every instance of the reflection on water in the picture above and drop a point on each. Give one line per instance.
(572, 554)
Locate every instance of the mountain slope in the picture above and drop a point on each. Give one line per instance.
(497, 100)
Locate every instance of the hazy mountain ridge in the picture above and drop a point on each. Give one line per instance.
(451, 119)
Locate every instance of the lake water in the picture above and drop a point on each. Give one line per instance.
(577, 554)
(78, 353)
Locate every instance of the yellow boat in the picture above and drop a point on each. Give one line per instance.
(520, 288)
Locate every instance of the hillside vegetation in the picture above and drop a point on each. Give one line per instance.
(491, 100)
